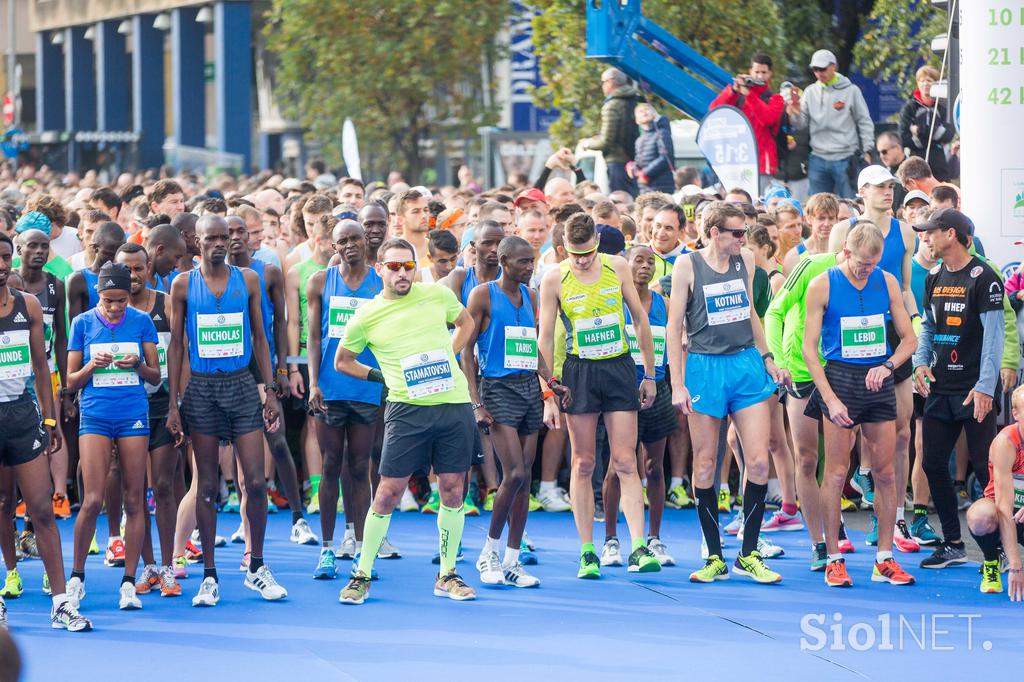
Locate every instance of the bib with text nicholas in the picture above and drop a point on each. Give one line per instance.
(521, 348)
(340, 311)
(599, 337)
(1018, 491)
(658, 334)
(220, 335)
(427, 373)
(863, 336)
(112, 375)
(727, 302)
(15, 356)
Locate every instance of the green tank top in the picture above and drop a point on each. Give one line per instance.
(593, 313)
(306, 269)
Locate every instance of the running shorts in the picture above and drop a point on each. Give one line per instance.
(226, 405)
(514, 401)
(862, 405)
(601, 385)
(659, 420)
(420, 437)
(159, 436)
(22, 437)
(906, 370)
(341, 413)
(114, 427)
(802, 389)
(721, 385)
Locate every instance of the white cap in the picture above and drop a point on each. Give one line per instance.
(289, 184)
(916, 194)
(690, 190)
(423, 191)
(875, 175)
(822, 58)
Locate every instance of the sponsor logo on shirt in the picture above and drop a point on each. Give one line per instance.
(20, 318)
(975, 271)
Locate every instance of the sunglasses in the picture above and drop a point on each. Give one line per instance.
(737, 234)
(581, 253)
(395, 266)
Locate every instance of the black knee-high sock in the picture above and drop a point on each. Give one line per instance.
(707, 512)
(989, 543)
(753, 514)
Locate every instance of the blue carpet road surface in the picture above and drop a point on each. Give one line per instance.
(656, 626)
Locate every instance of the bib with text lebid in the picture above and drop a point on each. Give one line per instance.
(342, 308)
(863, 336)
(427, 373)
(520, 348)
(657, 334)
(727, 302)
(598, 337)
(220, 335)
(112, 375)
(15, 356)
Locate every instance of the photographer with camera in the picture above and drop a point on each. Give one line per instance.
(751, 94)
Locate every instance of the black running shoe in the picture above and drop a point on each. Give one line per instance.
(946, 555)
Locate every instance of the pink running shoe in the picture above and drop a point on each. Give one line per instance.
(780, 521)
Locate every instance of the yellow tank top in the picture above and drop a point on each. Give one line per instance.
(593, 313)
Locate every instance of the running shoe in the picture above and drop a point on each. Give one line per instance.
(13, 587)
(150, 500)
(452, 586)
(262, 581)
(527, 557)
(890, 572)
(714, 569)
(408, 502)
(819, 557)
(678, 499)
(647, 502)
(865, 485)
(780, 521)
(75, 589)
(611, 553)
(590, 567)
(115, 552)
(61, 507)
(238, 537)
(128, 600)
(734, 526)
(903, 540)
(29, 547)
(243, 565)
(553, 500)
(469, 507)
(723, 502)
(660, 550)
(489, 500)
(180, 567)
(516, 576)
(768, 549)
(356, 590)
(46, 585)
(275, 498)
(846, 505)
(271, 507)
(433, 504)
(20, 510)
(836, 575)
(387, 550)
(773, 501)
(489, 566)
(922, 531)
(327, 566)
(355, 569)
(534, 504)
(945, 555)
(340, 506)
(169, 587)
(753, 567)
(150, 579)
(845, 544)
(871, 539)
(458, 557)
(67, 617)
(94, 548)
(3, 614)
(314, 505)
(209, 593)
(963, 497)
(642, 560)
(193, 553)
(598, 512)
(991, 581)
(527, 541)
(347, 548)
(234, 504)
(302, 534)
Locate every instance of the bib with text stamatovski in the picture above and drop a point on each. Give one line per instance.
(427, 373)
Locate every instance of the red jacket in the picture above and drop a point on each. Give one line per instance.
(764, 111)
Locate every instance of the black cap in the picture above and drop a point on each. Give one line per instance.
(114, 276)
(947, 219)
(610, 240)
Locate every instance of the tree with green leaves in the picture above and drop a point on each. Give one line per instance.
(404, 71)
(897, 40)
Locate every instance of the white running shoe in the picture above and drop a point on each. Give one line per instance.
(516, 576)
(387, 550)
(67, 617)
(129, 601)
(490, 569)
(611, 554)
(262, 581)
(528, 542)
(553, 500)
(75, 589)
(768, 549)
(220, 541)
(347, 548)
(408, 502)
(208, 595)
(302, 534)
(704, 547)
(238, 537)
(3, 614)
(660, 551)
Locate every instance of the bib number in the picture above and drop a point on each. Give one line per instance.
(1018, 491)
(15, 356)
(726, 302)
(112, 375)
(658, 334)
(220, 335)
(340, 311)
(599, 337)
(427, 373)
(164, 341)
(521, 348)
(863, 336)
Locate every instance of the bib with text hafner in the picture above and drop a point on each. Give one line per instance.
(15, 356)
(863, 336)
(112, 375)
(340, 310)
(220, 335)
(727, 302)
(520, 348)
(657, 334)
(598, 337)
(427, 373)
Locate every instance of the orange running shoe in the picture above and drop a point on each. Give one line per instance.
(150, 579)
(193, 553)
(169, 587)
(61, 506)
(891, 572)
(115, 552)
(836, 575)
(278, 500)
(20, 510)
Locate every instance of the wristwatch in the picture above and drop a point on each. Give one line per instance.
(272, 387)
(889, 366)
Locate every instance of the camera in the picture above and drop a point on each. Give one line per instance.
(752, 82)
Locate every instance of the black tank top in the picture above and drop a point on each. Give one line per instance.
(163, 332)
(15, 349)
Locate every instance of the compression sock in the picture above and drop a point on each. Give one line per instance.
(920, 510)
(130, 579)
(78, 574)
(255, 563)
(374, 530)
(450, 522)
(989, 543)
(296, 515)
(753, 515)
(707, 513)
(210, 573)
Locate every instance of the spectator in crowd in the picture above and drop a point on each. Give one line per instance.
(794, 148)
(686, 176)
(618, 129)
(890, 151)
(654, 158)
(916, 124)
(915, 173)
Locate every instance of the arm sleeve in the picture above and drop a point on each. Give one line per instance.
(991, 352)
(543, 179)
(923, 354)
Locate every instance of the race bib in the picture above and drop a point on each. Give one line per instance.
(427, 373)
(658, 334)
(599, 337)
(112, 375)
(1018, 491)
(727, 302)
(521, 348)
(163, 342)
(15, 357)
(220, 335)
(863, 336)
(340, 311)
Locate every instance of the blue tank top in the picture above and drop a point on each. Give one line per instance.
(338, 304)
(892, 250)
(658, 319)
(853, 328)
(800, 248)
(219, 339)
(469, 283)
(163, 283)
(509, 344)
(91, 280)
(266, 306)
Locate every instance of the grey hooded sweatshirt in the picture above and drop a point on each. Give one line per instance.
(838, 116)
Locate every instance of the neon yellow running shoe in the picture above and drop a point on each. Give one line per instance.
(433, 504)
(469, 508)
(93, 547)
(753, 567)
(723, 502)
(46, 585)
(714, 569)
(13, 586)
(489, 500)
(678, 499)
(590, 566)
(647, 503)
(991, 582)
(535, 504)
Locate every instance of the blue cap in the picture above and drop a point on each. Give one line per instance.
(467, 237)
(774, 191)
(795, 203)
(610, 240)
(33, 220)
